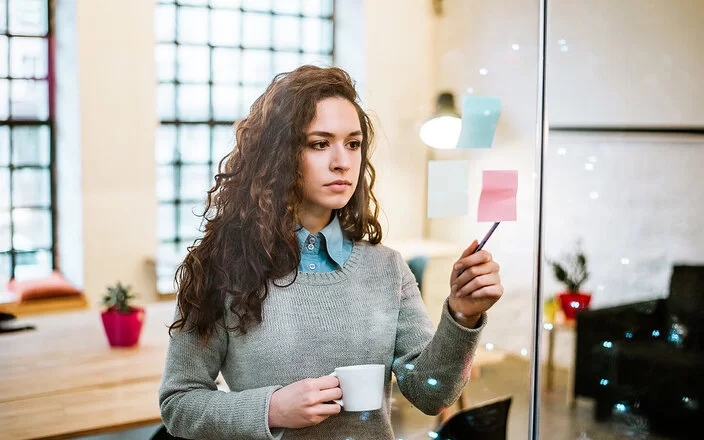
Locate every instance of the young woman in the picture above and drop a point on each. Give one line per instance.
(284, 287)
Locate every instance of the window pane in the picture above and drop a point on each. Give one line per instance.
(165, 183)
(249, 95)
(32, 228)
(287, 33)
(317, 35)
(256, 5)
(225, 102)
(3, 17)
(165, 55)
(33, 265)
(194, 143)
(4, 98)
(192, 25)
(256, 30)
(4, 268)
(31, 187)
(30, 99)
(28, 17)
(287, 6)
(223, 142)
(193, 103)
(169, 256)
(4, 145)
(231, 4)
(165, 23)
(5, 185)
(226, 65)
(4, 229)
(3, 55)
(256, 66)
(285, 61)
(316, 59)
(194, 2)
(318, 7)
(165, 102)
(30, 145)
(190, 221)
(193, 63)
(225, 27)
(29, 57)
(166, 144)
(166, 217)
(195, 182)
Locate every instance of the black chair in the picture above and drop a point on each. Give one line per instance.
(648, 355)
(163, 434)
(485, 422)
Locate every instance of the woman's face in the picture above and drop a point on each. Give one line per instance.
(333, 152)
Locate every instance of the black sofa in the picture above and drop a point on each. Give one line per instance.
(648, 357)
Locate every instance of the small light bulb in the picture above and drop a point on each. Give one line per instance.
(483, 71)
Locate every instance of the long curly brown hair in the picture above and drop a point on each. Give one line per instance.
(252, 211)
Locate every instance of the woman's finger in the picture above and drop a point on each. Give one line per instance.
(467, 252)
(477, 283)
(491, 293)
(475, 271)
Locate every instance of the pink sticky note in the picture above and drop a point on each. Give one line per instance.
(497, 202)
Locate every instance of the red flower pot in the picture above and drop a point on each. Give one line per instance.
(573, 302)
(123, 329)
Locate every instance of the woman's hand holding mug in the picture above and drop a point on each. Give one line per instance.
(302, 403)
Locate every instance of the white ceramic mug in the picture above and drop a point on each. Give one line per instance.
(362, 386)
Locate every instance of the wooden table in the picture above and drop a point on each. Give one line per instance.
(63, 380)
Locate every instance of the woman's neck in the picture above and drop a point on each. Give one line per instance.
(315, 223)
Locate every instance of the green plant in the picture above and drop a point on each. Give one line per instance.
(118, 298)
(573, 271)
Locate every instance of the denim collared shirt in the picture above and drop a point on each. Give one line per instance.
(325, 251)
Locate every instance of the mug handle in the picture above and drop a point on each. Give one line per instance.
(339, 401)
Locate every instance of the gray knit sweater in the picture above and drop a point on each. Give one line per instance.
(368, 312)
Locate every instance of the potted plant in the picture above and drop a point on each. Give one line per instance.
(122, 321)
(572, 273)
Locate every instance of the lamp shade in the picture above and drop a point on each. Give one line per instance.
(443, 129)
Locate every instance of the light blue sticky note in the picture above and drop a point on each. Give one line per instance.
(480, 114)
(448, 188)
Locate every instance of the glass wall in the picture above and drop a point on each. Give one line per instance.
(622, 221)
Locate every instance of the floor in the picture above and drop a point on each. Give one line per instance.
(558, 421)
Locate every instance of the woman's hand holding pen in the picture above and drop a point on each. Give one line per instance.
(303, 403)
(475, 285)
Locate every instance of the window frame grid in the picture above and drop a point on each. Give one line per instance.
(13, 123)
(177, 240)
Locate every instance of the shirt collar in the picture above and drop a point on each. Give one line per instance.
(333, 239)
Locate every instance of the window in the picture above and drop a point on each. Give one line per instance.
(26, 140)
(213, 59)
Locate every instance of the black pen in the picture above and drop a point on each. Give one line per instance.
(483, 242)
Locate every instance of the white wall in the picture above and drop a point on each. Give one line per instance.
(627, 62)
(117, 123)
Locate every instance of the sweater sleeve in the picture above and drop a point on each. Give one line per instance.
(432, 368)
(192, 406)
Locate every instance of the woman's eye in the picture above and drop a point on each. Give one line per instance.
(320, 144)
(355, 144)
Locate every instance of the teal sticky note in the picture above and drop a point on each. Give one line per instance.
(480, 114)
